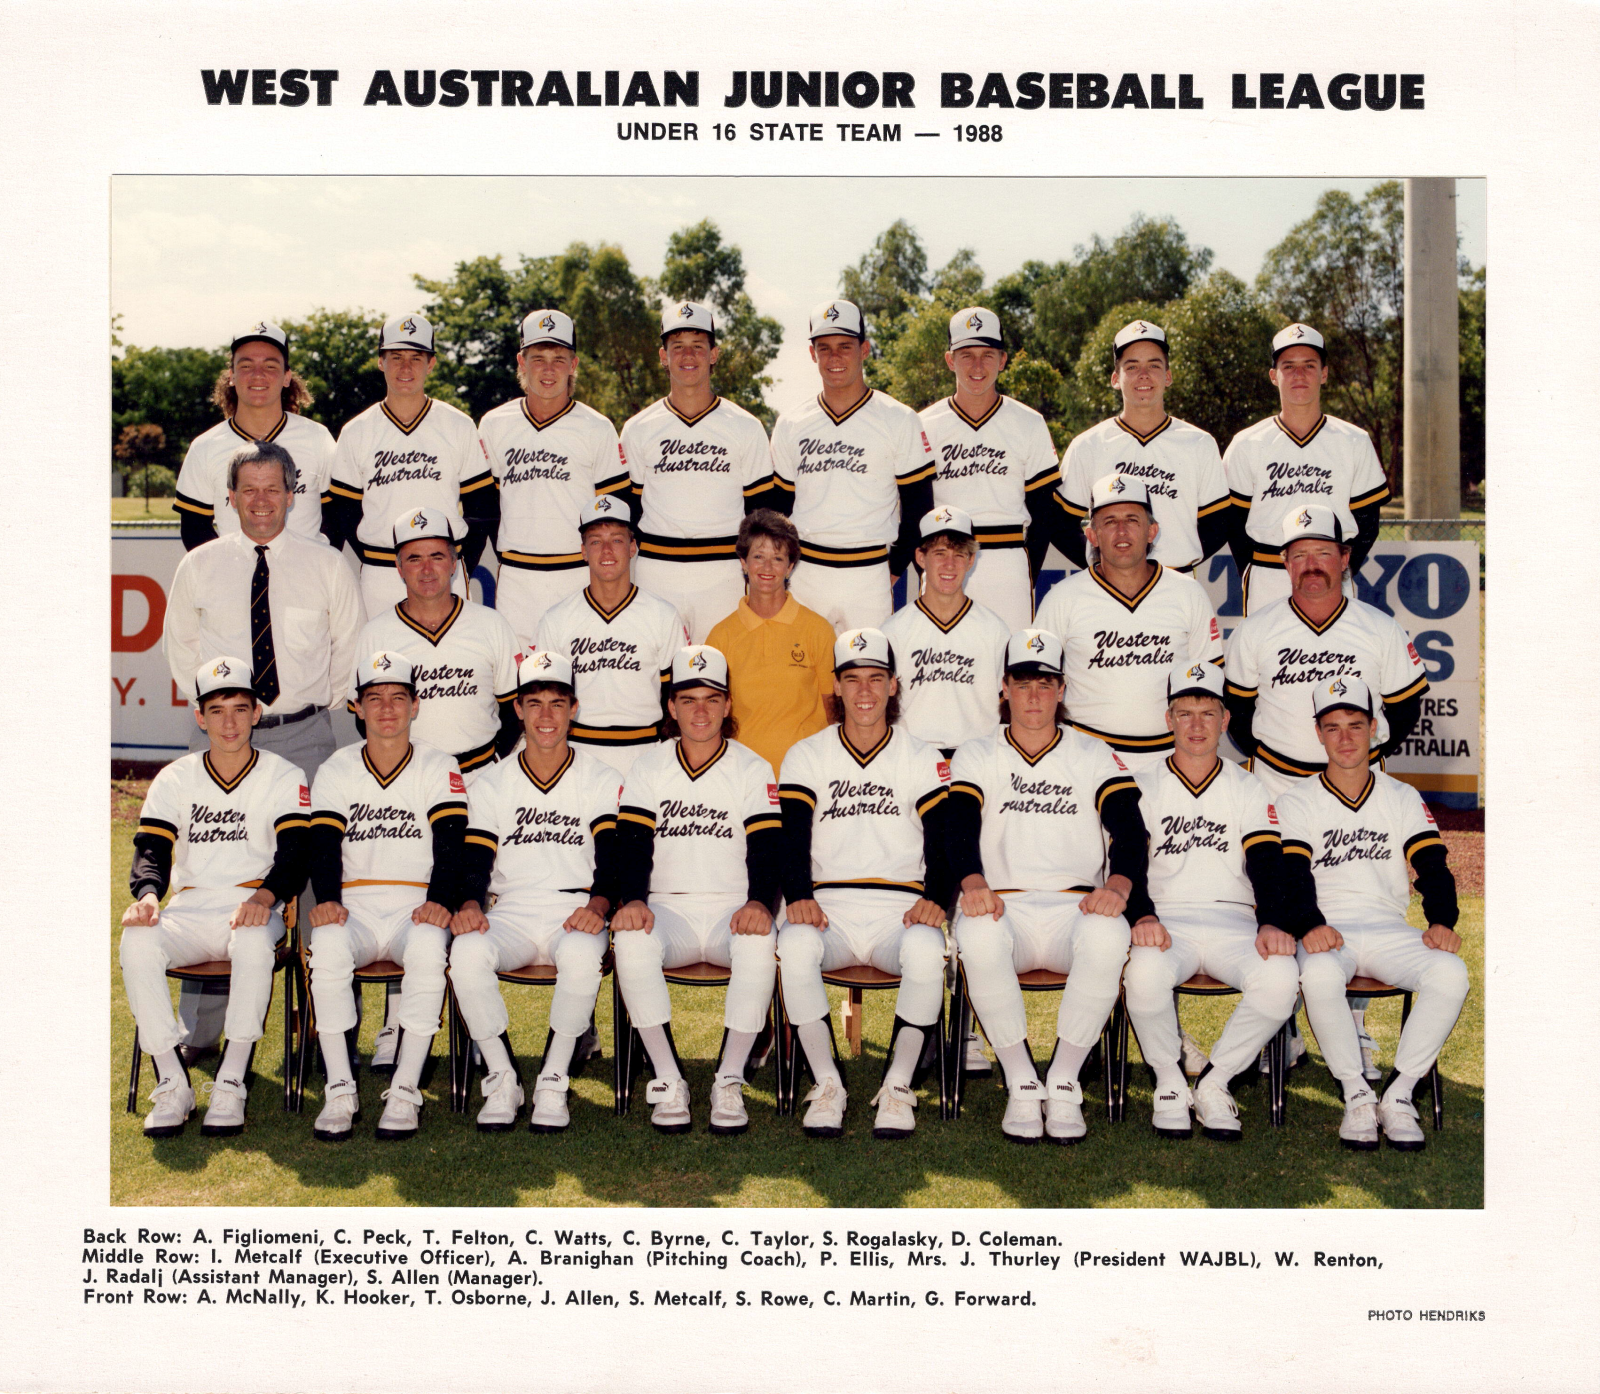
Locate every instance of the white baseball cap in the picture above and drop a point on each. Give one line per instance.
(688, 314)
(223, 674)
(605, 508)
(837, 317)
(1352, 693)
(699, 665)
(862, 648)
(406, 332)
(1194, 680)
(267, 332)
(1139, 331)
(1117, 488)
(541, 668)
(1034, 653)
(1314, 520)
(385, 666)
(417, 524)
(1293, 335)
(975, 327)
(944, 518)
(548, 327)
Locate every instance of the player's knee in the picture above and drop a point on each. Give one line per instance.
(799, 949)
(1147, 981)
(577, 956)
(753, 950)
(1446, 977)
(1102, 945)
(636, 951)
(1274, 984)
(141, 948)
(985, 947)
(252, 948)
(1322, 975)
(921, 953)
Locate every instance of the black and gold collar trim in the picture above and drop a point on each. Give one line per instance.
(384, 781)
(229, 785)
(1366, 790)
(696, 773)
(1055, 740)
(848, 412)
(692, 420)
(1309, 436)
(864, 758)
(1144, 439)
(433, 636)
(549, 421)
(1327, 624)
(417, 420)
(1203, 785)
(609, 615)
(271, 435)
(939, 624)
(1127, 602)
(534, 779)
(977, 421)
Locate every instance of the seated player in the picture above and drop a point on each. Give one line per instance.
(698, 842)
(864, 877)
(538, 842)
(1216, 864)
(1349, 836)
(386, 828)
(1032, 807)
(219, 821)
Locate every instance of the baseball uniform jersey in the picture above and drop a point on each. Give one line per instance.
(202, 489)
(950, 674)
(1199, 833)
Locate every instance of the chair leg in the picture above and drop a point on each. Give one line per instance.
(133, 1074)
(781, 1047)
(288, 1037)
(621, 1030)
(1438, 1097)
(852, 1021)
(1277, 1076)
(945, 1062)
(1122, 1058)
(956, 1046)
(453, 1050)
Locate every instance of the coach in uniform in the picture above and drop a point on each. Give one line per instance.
(996, 462)
(408, 451)
(218, 822)
(697, 463)
(699, 838)
(1349, 837)
(537, 851)
(1048, 850)
(860, 470)
(549, 456)
(1297, 458)
(1123, 623)
(260, 400)
(1177, 463)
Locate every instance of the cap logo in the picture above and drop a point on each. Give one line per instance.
(381, 664)
(603, 504)
(686, 311)
(943, 515)
(697, 664)
(1120, 486)
(1303, 520)
(409, 325)
(261, 328)
(542, 661)
(831, 314)
(1299, 331)
(1197, 672)
(974, 321)
(221, 671)
(1140, 327)
(1034, 644)
(858, 643)
(547, 323)
(1337, 688)
(419, 520)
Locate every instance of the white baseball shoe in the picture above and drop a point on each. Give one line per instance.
(341, 1106)
(1216, 1110)
(1194, 1059)
(897, 1112)
(825, 1117)
(1359, 1130)
(1024, 1116)
(1369, 1057)
(728, 1114)
(502, 1101)
(1063, 1113)
(669, 1105)
(384, 1048)
(174, 1102)
(1169, 1114)
(225, 1111)
(399, 1120)
(1397, 1116)
(976, 1062)
(550, 1104)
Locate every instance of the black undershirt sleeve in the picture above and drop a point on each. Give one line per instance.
(606, 871)
(763, 860)
(1300, 912)
(1402, 717)
(152, 865)
(510, 732)
(938, 883)
(1239, 540)
(963, 831)
(1436, 885)
(325, 855)
(795, 873)
(340, 519)
(474, 870)
(916, 500)
(1215, 530)
(1130, 851)
(1070, 539)
(481, 511)
(635, 847)
(195, 529)
(444, 886)
(1241, 720)
(1367, 522)
(1263, 864)
(287, 876)
(1046, 524)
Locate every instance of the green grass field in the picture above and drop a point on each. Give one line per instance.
(135, 510)
(603, 1160)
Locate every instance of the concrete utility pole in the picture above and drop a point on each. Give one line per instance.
(1432, 352)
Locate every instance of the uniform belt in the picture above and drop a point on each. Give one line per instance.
(1273, 559)
(615, 735)
(1132, 745)
(542, 561)
(1014, 536)
(287, 719)
(870, 555)
(687, 548)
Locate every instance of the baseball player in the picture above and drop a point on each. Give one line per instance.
(620, 639)
(260, 400)
(699, 838)
(549, 456)
(865, 878)
(1349, 836)
(780, 654)
(1178, 463)
(218, 821)
(951, 650)
(386, 828)
(1048, 849)
(1123, 622)
(407, 451)
(1298, 457)
(859, 472)
(995, 461)
(697, 464)
(537, 852)
(1216, 868)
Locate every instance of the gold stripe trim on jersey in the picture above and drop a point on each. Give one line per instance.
(469, 760)
(547, 561)
(328, 820)
(1256, 839)
(763, 824)
(399, 425)
(848, 412)
(158, 831)
(291, 820)
(204, 510)
(1366, 790)
(1203, 785)
(759, 486)
(1309, 436)
(693, 773)
(1371, 497)
(1072, 510)
(1224, 502)
(687, 548)
(1327, 624)
(478, 839)
(1136, 744)
(548, 421)
(787, 485)
(609, 615)
(1421, 841)
(916, 476)
(375, 556)
(446, 810)
(1143, 438)
(691, 420)
(1234, 690)
(794, 791)
(874, 883)
(1419, 686)
(972, 791)
(864, 758)
(931, 801)
(229, 785)
(1055, 740)
(977, 421)
(384, 781)
(1299, 849)
(1042, 480)
(267, 439)
(483, 480)
(533, 779)
(606, 823)
(344, 491)
(636, 815)
(368, 882)
(939, 624)
(1127, 603)
(1110, 787)
(431, 635)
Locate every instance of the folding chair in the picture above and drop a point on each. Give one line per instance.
(1372, 987)
(1277, 1048)
(855, 980)
(381, 971)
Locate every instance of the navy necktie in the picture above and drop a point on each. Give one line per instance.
(262, 658)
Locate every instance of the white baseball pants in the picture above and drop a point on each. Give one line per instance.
(848, 597)
(523, 596)
(695, 929)
(1001, 581)
(702, 592)
(379, 927)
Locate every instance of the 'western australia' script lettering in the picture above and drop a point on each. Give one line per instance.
(1113, 649)
(1341, 845)
(1156, 479)
(869, 798)
(1039, 796)
(368, 821)
(1314, 665)
(398, 466)
(216, 824)
(699, 456)
(680, 819)
(1291, 480)
(821, 456)
(544, 825)
(524, 464)
(590, 655)
(941, 665)
(451, 682)
(1180, 835)
(963, 461)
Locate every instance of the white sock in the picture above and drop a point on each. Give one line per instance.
(1017, 1062)
(496, 1058)
(414, 1048)
(1069, 1060)
(661, 1057)
(1402, 1086)
(558, 1058)
(235, 1060)
(335, 1056)
(736, 1052)
(167, 1064)
(1170, 1076)
(1359, 1016)
(817, 1041)
(907, 1051)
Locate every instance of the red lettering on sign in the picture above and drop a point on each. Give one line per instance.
(122, 691)
(155, 598)
(178, 699)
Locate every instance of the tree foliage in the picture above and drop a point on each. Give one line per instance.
(169, 388)
(1471, 313)
(336, 354)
